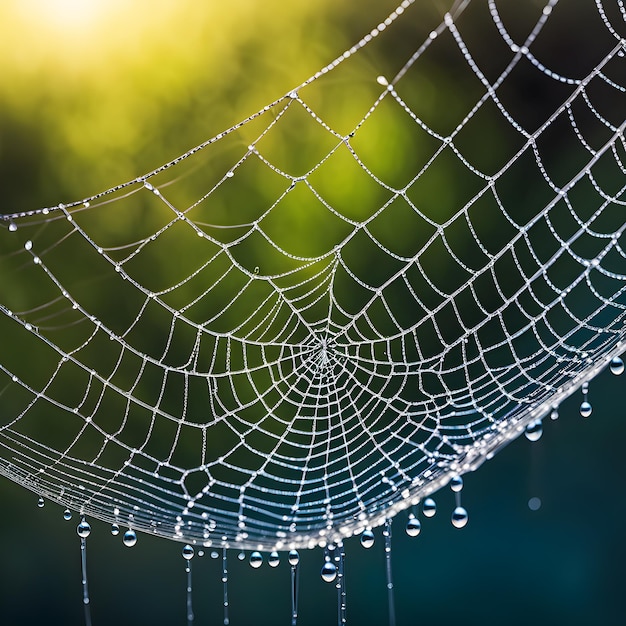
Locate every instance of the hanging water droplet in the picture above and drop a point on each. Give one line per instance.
(115, 530)
(617, 366)
(413, 527)
(67, 515)
(273, 559)
(83, 529)
(367, 538)
(554, 415)
(459, 517)
(534, 430)
(429, 507)
(329, 572)
(188, 552)
(256, 560)
(130, 538)
(585, 409)
(294, 557)
(12, 227)
(456, 484)
(41, 502)
(214, 554)
(241, 556)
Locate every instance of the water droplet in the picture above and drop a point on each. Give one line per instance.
(241, 556)
(585, 409)
(28, 245)
(294, 557)
(214, 554)
(534, 504)
(188, 553)
(367, 539)
(617, 366)
(274, 559)
(256, 560)
(12, 227)
(67, 515)
(381, 80)
(429, 507)
(115, 530)
(130, 538)
(329, 572)
(459, 517)
(554, 415)
(534, 430)
(456, 484)
(83, 529)
(413, 527)
(41, 502)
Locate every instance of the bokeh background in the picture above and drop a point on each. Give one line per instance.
(97, 92)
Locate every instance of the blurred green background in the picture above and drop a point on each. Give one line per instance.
(94, 93)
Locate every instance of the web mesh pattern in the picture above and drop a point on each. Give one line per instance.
(310, 322)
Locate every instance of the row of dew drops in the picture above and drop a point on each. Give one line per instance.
(459, 518)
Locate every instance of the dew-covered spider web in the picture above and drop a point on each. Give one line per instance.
(321, 315)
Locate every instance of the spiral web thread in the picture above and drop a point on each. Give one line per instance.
(290, 369)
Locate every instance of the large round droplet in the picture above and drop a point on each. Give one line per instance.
(534, 430)
(459, 517)
(617, 366)
(188, 552)
(67, 515)
(12, 227)
(429, 507)
(367, 538)
(273, 559)
(413, 527)
(115, 530)
(256, 560)
(83, 529)
(456, 484)
(41, 502)
(130, 538)
(329, 572)
(585, 409)
(294, 557)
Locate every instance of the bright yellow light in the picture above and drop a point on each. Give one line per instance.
(67, 16)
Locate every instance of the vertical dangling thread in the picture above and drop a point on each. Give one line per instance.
(341, 585)
(83, 529)
(188, 553)
(189, 594)
(294, 560)
(392, 607)
(225, 581)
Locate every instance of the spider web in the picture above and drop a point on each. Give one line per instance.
(314, 319)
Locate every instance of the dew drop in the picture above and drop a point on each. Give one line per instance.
(256, 560)
(214, 554)
(12, 227)
(241, 556)
(294, 557)
(273, 559)
(429, 507)
(367, 539)
(67, 515)
(456, 484)
(188, 553)
(381, 80)
(554, 415)
(115, 530)
(41, 502)
(28, 245)
(534, 430)
(130, 538)
(329, 572)
(585, 409)
(459, 517)
(83, 529)
(413, 527)
(617, 366)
